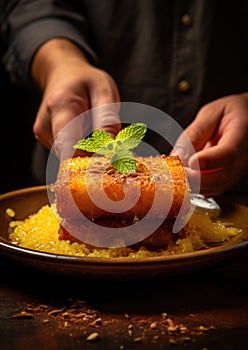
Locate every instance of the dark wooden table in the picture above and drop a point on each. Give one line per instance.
(202, 310)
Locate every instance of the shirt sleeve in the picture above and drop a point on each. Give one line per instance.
(27, 24)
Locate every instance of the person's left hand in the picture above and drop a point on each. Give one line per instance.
(219, 135)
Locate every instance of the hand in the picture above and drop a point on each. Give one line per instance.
(219, 135)
(70, 87)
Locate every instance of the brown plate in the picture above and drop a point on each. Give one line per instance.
(28, 201)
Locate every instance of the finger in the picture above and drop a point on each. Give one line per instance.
(105, 101)
(199, 132)
(228, 146)
(212, 183)
(215, 183)
(198, 135)
(183, 148)
(106, 117)
(42, 127)
(216, 157)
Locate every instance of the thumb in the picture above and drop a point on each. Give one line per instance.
(105, 104)
(196, 136)
(106, 117)
(187, 144)
(69, 135)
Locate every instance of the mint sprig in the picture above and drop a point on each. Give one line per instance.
(119, 149)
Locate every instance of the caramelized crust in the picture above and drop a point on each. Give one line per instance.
(78, 178)
(81, 232)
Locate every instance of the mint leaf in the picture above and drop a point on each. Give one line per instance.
(122, 154)
(119, 149)
(95, 143)
(130, 143)
(123, 161)
(134, 131)
(125, 165)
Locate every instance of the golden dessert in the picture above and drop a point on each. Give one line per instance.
(160, 180)
(163, 176)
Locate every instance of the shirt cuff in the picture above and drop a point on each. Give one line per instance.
(18, 58)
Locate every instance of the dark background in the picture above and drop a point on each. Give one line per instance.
(18, 110)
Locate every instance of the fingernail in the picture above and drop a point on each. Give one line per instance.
(180, 152)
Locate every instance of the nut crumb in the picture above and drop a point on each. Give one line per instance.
(137, 340)
(45, 321)
(10, 212)
(172, 341)
(93, 337)
(153, 325)
(97, 322)
(203, 328)
(170, 322)
(22, 315)
(186, 339)
(164, 315)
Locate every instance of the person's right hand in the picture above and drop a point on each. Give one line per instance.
(71, 86)
(220, 145)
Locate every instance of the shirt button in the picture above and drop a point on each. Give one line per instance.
(186, 20)
(183, 86)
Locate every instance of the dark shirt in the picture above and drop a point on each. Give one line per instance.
(175, 55)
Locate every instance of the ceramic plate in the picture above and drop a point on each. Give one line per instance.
(27, 201)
